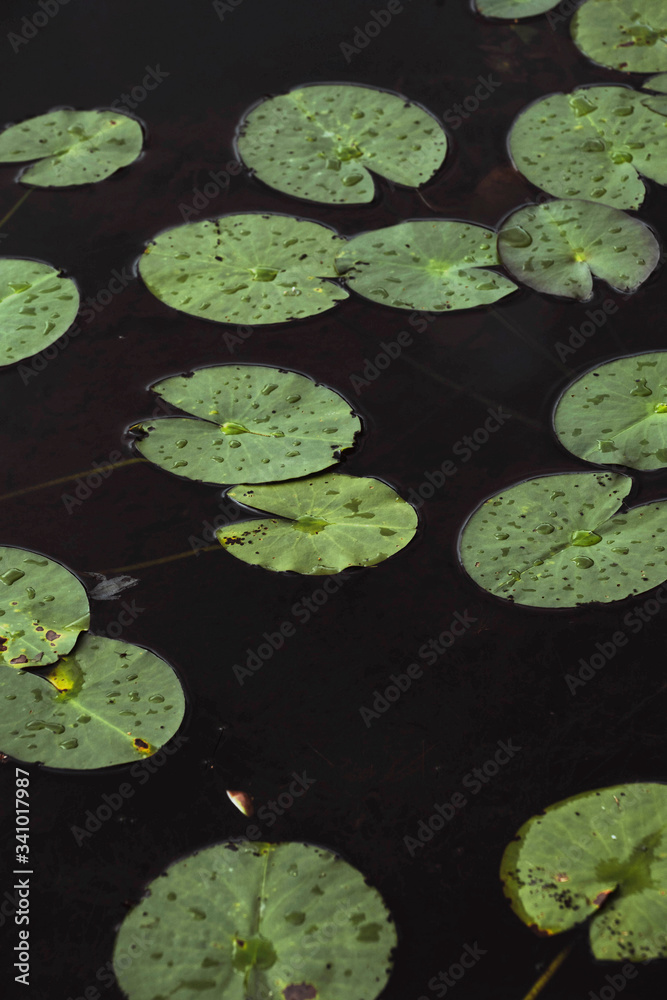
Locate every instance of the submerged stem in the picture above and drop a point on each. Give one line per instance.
(537, 988)
(164, 559)
(74, 475)
(16, 206)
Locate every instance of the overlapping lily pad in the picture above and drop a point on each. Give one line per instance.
(249, 269)
(105, 703)
(323, 524)
(37, 305)
(43, 608)
(256, 424)
(597, 855)
(616, 414)
(512, 10)
(628, 35)
(559, 246)
(562, 540)
(657, 83)
(72, 147)
(430, 265)
(593, 144)
(256, 920)
(320, 142)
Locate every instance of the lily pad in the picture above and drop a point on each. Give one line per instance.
(248, 269)
(256, 920)
(598, 855)
(512, 10)
(43, 608)
(324, 524)
(427, 265)
(628, 35)
(37, 305)
(320, 142)
(615, 414)
(257, 424)
(562, 540)
(558, 247)
(657, 83)
(105, 703)
(593, 144)
(72, 147)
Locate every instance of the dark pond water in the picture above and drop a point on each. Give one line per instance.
(502, 680)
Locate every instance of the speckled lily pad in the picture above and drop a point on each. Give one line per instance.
(255, 423)
(256, 920)
(597, 856)
(593, 144)
(616, 414)
(43, 608)
(558, 247)
(430, 265)
(627, 35)
(37, 305)
(562, 540)
(324, 524)
(320, 142)
(249, 269)
(105, 703)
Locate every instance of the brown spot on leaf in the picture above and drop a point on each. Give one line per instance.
(299, 991)
(20, 659)
(52, 636)
(601, 897)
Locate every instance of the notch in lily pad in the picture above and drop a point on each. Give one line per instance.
(43, 608)
(324, 142)
(323, 525)
(37, 305)
(626, 35)
(596, 857)
(107, 702)
(252, 423)
(594, 144)
(431, 265)
(616, 414)
(290, 921)
(563, 540)
(72, 147)
(559, 246)
(251, 269)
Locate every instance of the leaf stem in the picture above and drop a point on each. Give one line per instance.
(16, 206)
(74, 475)
(537, 988)
(164, 559)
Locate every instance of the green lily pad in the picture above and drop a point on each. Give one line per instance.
(615, 414)
(598, 855)
(657, 83)
(559, 246)
(320, 142)
(562, 540)
(105, 703)
(324, 524)
(593, 144)
(427, 265)
(37, 305)
(628, 35)
(72, 147)
(512, 10)
(257, 424)
(43, 608)
(248, 269)
(257, 920)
